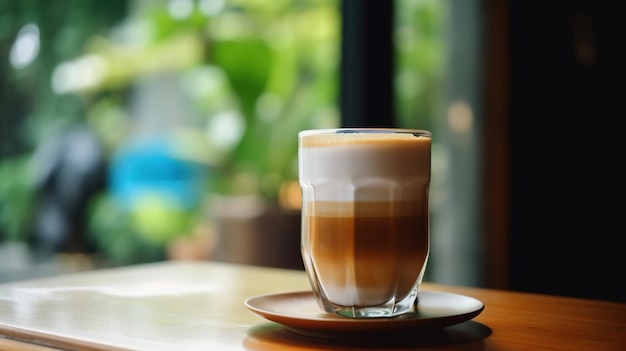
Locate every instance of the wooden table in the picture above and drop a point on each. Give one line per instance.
(200, 306)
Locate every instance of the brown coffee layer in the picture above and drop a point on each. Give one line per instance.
(367, 260)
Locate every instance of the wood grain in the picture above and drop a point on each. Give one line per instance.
(199, 306)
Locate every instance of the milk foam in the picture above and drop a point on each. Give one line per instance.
(364, 166)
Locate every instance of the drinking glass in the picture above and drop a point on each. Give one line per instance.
(365, 228)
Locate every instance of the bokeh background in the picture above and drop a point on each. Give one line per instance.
(136, 131)
(128, 126)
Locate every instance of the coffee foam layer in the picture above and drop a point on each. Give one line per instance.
(364, 166)
(332, 139)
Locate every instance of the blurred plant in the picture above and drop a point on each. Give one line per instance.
(223, 85)
(35, 35)
(243, 78)
(16, 199)
(419, 61)
(250, 75)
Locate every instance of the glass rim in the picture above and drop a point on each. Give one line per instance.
(365, 130)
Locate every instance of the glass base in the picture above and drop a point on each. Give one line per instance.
(391, 308)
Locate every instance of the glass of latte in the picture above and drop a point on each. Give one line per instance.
(365, 230)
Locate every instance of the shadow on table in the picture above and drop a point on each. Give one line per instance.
(271, 336)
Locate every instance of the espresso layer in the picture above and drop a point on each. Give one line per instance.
(366, 260)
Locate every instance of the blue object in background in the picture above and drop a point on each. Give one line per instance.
(147, 166)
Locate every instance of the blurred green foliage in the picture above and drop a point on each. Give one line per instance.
(235, 80)
(30, 112)
(16, 198)
(248, 75)
(419, 61)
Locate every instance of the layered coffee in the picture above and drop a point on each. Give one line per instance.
(365, 238)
